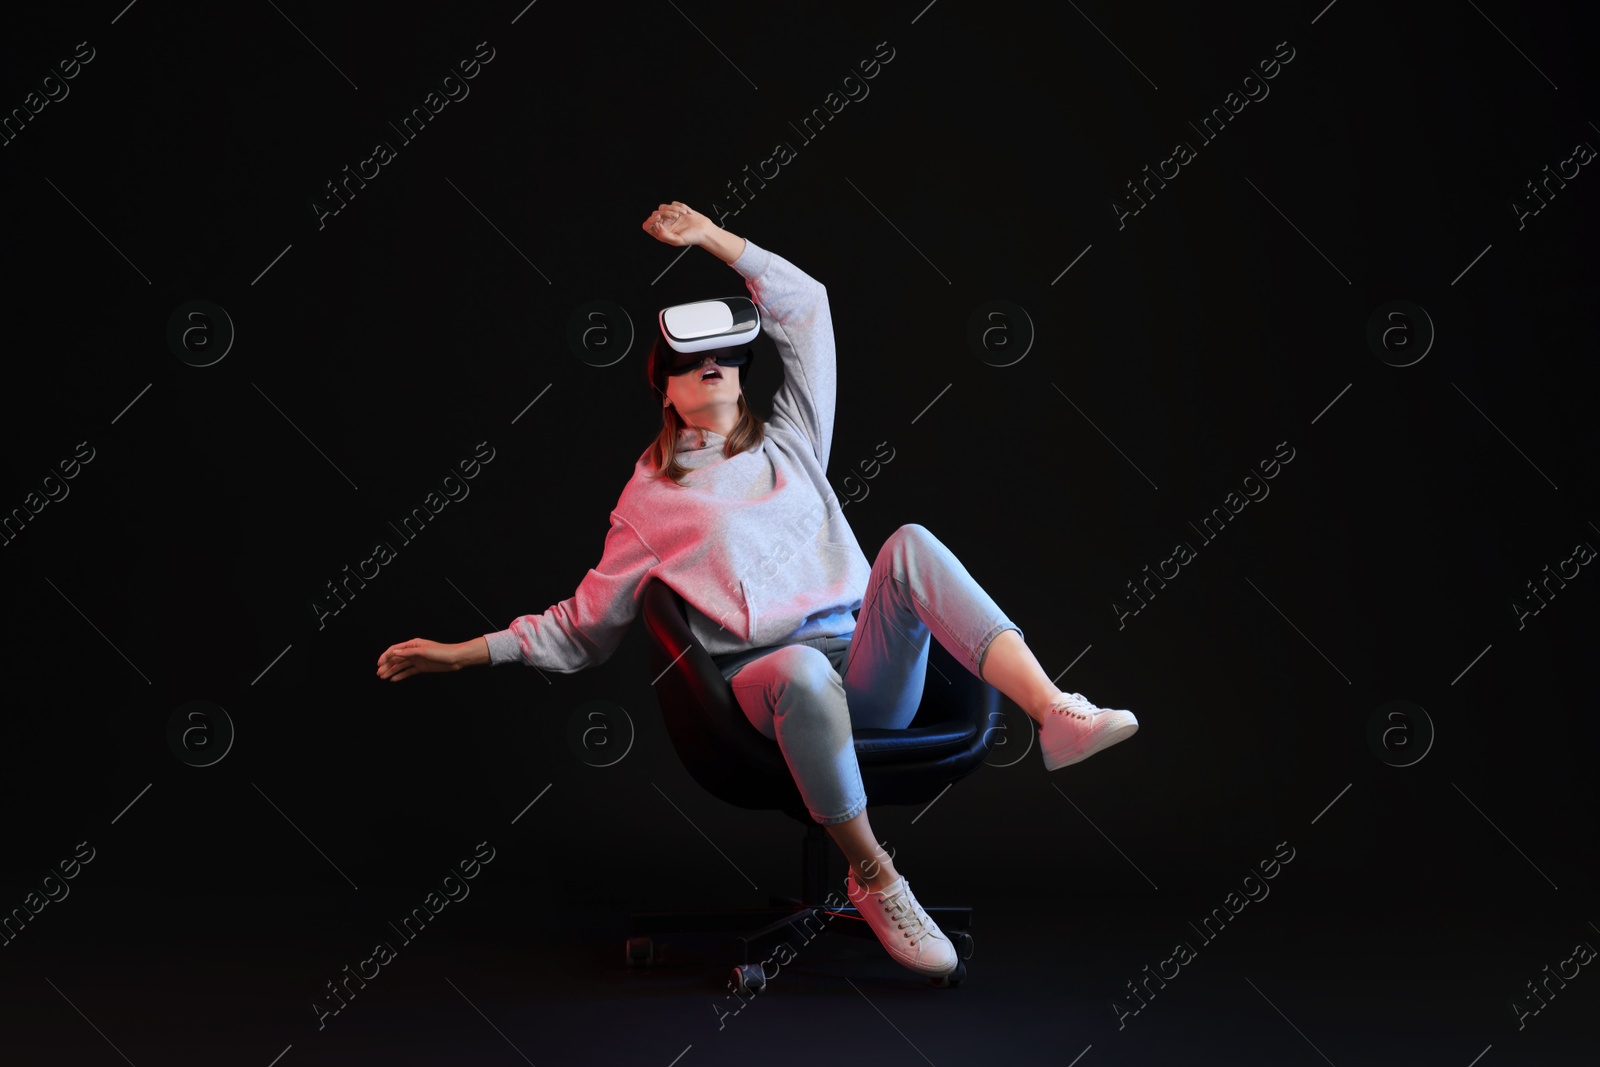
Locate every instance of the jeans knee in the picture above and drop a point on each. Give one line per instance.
(905, 544)
(807, 675)
(912, 531)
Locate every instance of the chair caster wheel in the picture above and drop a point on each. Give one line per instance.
(641, 952)
(954, 978)
(748, 979)
(962, 941)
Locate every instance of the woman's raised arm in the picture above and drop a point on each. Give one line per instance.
(678, 224)
(795, 315)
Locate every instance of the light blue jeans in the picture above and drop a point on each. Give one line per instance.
(809, 695)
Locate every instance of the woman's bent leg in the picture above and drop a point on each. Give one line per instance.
(769, 689)
(918, 590)
(795, 697)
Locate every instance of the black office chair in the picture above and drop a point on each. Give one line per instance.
(950, 736)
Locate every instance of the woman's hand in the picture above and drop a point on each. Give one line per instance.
(417, 656)
(678, 224)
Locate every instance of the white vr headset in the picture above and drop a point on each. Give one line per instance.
(729, 322)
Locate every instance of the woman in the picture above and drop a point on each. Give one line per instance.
(737, 516)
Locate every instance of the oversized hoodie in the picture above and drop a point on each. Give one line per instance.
(756, 544)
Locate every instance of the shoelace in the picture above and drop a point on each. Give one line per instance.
(1076, 705)
(905, 915)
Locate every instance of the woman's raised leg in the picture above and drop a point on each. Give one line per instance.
(920, 590)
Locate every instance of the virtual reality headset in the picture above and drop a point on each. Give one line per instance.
(726, 326)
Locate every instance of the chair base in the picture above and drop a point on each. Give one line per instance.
(786, 920)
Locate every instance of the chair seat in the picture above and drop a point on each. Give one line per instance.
(883, 747)
(956, 723)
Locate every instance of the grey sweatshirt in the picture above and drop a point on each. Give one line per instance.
(757, 544)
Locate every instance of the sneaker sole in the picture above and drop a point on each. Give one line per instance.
(1122, 733)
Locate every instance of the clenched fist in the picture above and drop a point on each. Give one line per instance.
(678, 224)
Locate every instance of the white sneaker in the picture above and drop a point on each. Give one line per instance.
(1075, 729)
(911, 937)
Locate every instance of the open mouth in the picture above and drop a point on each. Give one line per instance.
(712, 373)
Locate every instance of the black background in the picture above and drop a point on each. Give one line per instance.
(1178, 351)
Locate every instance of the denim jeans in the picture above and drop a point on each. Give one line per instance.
(809, 695)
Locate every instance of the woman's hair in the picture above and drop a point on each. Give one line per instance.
(748, 432)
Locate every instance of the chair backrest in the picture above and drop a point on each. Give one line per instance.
(955, 726)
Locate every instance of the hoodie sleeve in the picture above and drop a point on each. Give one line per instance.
(795, 314)
(586, 628)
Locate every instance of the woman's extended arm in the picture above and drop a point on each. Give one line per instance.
(581, 631)
(421, 656)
